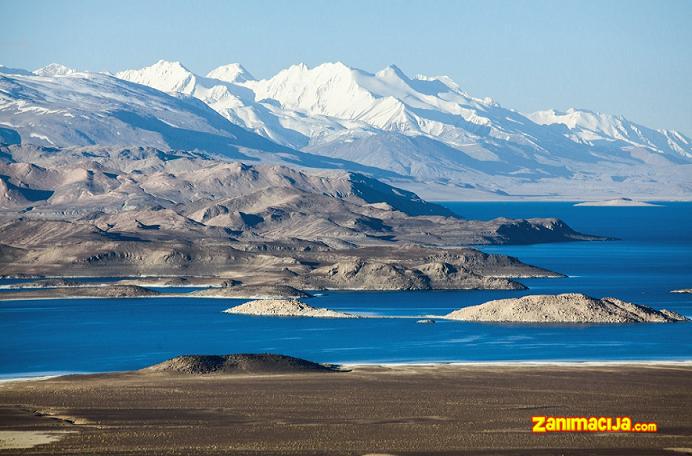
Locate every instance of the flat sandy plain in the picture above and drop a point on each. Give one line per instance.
(436, 409)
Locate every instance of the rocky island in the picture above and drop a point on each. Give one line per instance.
(564, 308)
(285, 308)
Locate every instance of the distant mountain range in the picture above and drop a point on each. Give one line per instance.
(423, 133)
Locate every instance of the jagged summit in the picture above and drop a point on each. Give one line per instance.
(233, 72)
(392, 71)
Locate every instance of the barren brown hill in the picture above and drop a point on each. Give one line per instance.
(102, 211)
(237, 364)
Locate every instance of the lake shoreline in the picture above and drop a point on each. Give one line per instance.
(586, 364)
(450, 409)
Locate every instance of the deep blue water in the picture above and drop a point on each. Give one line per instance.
(653, 257)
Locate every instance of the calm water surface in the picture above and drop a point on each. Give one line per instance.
(653, 257)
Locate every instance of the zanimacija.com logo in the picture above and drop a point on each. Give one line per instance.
(543, 424)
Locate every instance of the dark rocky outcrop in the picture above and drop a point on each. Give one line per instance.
(237, 364)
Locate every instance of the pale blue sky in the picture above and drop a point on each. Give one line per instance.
(623, 57)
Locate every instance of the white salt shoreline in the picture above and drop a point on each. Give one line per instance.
(32, 378)
(615, 363)
(179, 295)
(432, 364)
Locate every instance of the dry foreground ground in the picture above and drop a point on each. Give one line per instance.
(480, 409)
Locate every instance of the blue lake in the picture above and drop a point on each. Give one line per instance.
(653, 257)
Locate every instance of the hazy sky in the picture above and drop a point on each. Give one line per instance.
(623, 57)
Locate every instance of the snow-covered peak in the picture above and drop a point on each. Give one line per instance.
(392, 72)
(224, 90)
(323, 71)
(388, 100)
(331, 89)
(337, 67)
(296, 68)
(54, 69)
(233, 73)
(164, 75)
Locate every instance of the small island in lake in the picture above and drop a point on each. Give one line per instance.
(564, 308)
(619, 202)
(285, 308)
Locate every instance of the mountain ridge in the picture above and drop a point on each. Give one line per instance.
(422, 133)
(591, 127)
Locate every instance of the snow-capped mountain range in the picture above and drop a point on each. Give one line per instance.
(422, 133)
(604, 130)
